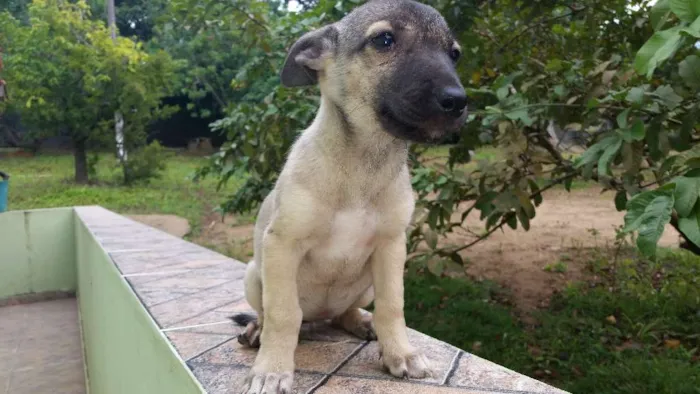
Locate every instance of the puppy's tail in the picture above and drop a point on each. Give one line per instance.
(242, 319)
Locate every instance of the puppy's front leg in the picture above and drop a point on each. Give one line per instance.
(273, 371)
(396, 353)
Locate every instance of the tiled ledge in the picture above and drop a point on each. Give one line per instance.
(190, 292)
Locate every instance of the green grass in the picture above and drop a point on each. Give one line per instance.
(559, 267)
(46, 182)
(642, 337)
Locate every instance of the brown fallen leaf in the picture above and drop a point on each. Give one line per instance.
(611, 319)
(672, 343)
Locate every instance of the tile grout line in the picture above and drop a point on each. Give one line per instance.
(126, 250)
(167, 263)
(453, 367)
(174, 272)
(133, 290)
(195, 326)
(192, 294)
(340, 365)
(203, 312)
(418, 382)
(208, 350)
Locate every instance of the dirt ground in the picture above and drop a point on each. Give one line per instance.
(171, 224)
(568, 229)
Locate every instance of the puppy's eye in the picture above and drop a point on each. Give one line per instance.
(384, 40)
(455, 54)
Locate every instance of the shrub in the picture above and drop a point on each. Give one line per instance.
(146, 164)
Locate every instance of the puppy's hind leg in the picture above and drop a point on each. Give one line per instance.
(253, 325)
(354, 322)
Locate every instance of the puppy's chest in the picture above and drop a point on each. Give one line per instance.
(348, 241)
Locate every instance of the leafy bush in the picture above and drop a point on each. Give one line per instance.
(146, 164)
(538, 73)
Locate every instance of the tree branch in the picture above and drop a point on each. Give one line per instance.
(509, 214)
(539, 24)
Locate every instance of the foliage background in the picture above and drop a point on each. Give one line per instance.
(603, 91)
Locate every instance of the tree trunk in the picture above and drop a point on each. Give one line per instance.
(81, 165)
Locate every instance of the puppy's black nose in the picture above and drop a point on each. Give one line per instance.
(452, 100)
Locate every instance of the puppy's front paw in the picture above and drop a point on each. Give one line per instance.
(268, 383)
(411, 364)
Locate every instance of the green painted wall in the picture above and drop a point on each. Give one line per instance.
(125, 351)
(37, 251)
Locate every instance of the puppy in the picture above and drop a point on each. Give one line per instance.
(331, 237)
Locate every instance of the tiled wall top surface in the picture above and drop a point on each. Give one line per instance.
(191, 292)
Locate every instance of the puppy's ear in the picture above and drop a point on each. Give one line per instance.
(307, 55)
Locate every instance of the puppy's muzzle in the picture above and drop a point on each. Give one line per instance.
(451, 100)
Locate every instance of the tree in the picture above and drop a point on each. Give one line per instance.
(531, 70)
(69, 77)
(210, 37)
(18, 8)
(136, 19)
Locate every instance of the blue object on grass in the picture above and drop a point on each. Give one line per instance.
(4, 184)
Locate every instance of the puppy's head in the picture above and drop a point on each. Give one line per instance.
(389, 65)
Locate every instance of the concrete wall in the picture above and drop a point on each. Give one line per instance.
(125, 352)
(48, 251)
(37, 252)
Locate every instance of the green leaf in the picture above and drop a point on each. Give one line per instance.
(502, 92)
(521, 115)
(431, 238)
(635, 95)
(686, 195)
(622, 118)
(607, 156)
(693, 30)
(524, 219)
(512, 221)
(456, 258)
(634, 133)
(485, 200)
(689, 70)
(621, 200)
(659, 14)
(668, 164)
(567, 184)
(686, 10)
(638, 204)
(493, 219)
(653, 222)
(690, 226)
(682, 140)
(668, 96)
(661, 46)
(592, 154)
(560, 90)
(436, 266)
(536, 192)
(554, 65)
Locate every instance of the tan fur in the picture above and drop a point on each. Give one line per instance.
(330, 237)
